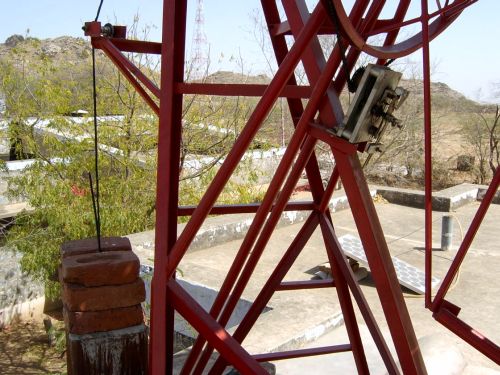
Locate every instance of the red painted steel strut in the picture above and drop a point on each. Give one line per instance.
(323, 112)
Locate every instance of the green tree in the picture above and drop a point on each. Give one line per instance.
(39, 93)
(56, 185)
(481, 131)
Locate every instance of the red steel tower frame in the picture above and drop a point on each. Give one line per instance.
(313, 122)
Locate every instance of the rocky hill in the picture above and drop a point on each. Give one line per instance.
(444, 98)
(65, 48)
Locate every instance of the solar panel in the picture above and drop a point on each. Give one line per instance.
(408, 275)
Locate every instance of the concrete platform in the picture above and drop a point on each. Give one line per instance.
(301, 318)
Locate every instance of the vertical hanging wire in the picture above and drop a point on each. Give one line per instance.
(95, 197)
(96, 215)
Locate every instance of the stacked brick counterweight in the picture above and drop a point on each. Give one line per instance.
(102, 294)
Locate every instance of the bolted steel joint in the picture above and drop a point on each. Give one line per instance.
(94, 29)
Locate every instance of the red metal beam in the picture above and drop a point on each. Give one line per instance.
(320, 88)
(402, 48)
(306, 284)
(120, 63)
(397, 23)
(334, 249)
(392, 35)
(270, 196)
(282, 76)
(271, 285)
(344, 296)
(427, 153)
(380, 262)
(225, 89)
(280, 46)
(208, 327)
(278, 356)
(227, 299)
(244, 208)
(313, 59)
(161, 349)
(137, 46)
(468, 333)
(114, 53)
(283, 29)
(297, 138)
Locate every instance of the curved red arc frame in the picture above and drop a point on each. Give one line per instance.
(400, 49)
(391, 24)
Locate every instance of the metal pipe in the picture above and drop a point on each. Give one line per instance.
(298, 353)
(446, 232)
(307, 284)
(167, 190)
(427, 153)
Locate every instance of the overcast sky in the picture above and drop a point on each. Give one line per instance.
(466, 56)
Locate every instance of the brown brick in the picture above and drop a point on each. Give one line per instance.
(80, 298)
(89, 245)
(82, 322)
(96, 269)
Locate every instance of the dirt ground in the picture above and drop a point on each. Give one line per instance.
(25, 349)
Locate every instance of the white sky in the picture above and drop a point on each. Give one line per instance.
(466, 56)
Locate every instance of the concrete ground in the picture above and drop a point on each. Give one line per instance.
(313, 318)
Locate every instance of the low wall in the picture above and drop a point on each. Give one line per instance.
(20, 297)
(445, 200)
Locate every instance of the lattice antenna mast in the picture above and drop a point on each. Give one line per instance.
(199, 55)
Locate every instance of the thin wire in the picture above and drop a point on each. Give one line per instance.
(98, 11)
(96, 156)
(95, 197)
(96, 216)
